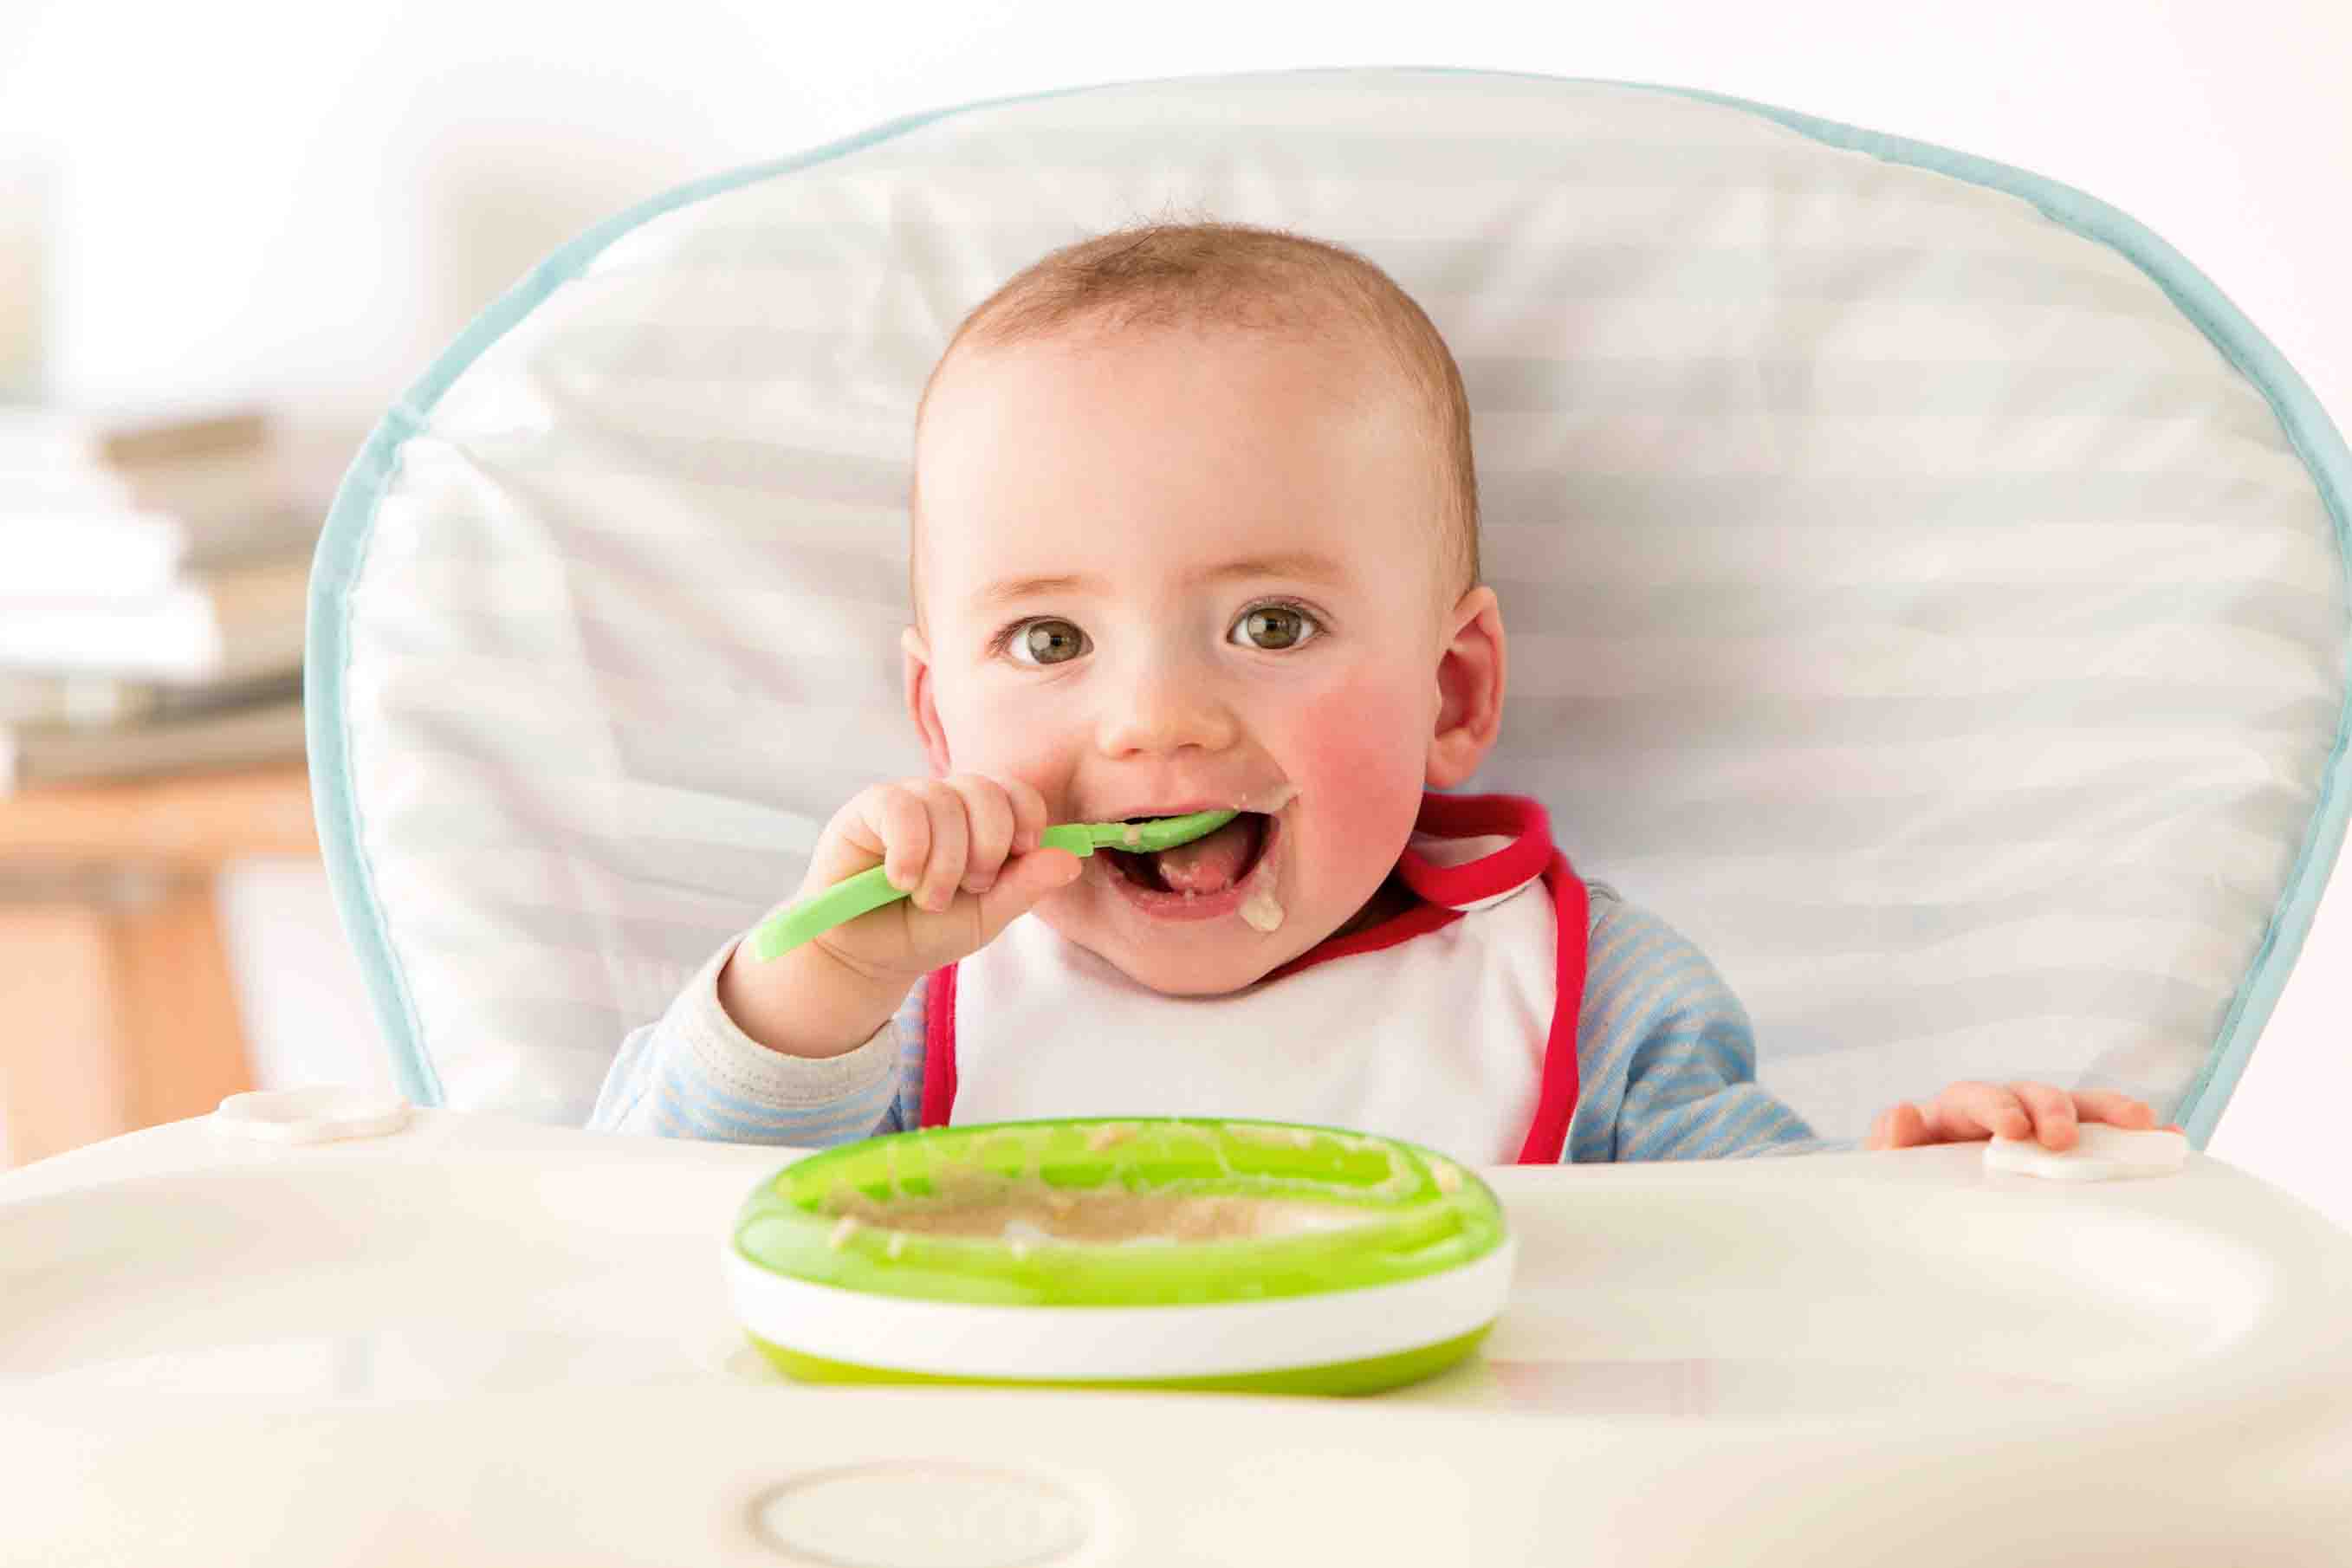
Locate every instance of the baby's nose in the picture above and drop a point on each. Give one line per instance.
(1164, 711)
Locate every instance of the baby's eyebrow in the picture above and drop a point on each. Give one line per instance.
(1007, 589)
(1303, 564)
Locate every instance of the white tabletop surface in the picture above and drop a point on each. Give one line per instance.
(472, 1339)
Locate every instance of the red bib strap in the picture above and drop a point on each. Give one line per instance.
(1556, 1101)
(939, 1048)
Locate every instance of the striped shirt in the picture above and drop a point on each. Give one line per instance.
(1665, 1064)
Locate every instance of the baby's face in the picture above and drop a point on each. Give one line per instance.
(1170, 570)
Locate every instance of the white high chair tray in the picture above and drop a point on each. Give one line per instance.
(482, 1341)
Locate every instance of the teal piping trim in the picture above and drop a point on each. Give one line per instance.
(326, 659)
(343, 542)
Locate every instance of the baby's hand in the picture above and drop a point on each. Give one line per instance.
(967, 847)
(1969, 1111)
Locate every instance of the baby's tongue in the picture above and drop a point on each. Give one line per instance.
(1209, 863)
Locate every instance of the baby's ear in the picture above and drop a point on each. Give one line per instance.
(1471, 667)
(920, 704)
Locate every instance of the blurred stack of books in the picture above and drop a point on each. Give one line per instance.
(152, 578)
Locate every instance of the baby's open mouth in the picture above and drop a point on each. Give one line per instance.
(1210, 864)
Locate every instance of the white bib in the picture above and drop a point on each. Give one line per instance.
(1438, 1039)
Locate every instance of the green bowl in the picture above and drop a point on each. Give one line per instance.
(1128, 1252)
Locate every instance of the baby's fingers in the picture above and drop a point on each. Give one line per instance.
(894, 824)
(2115, 1109)
(1029, 815)
(989, 812)
(891, 823)
(2052, 1110)
(1897, 1127)
(950, 837)
(1971, 1110)
(2057, 1112)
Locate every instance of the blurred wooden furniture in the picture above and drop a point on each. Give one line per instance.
(117, 1010)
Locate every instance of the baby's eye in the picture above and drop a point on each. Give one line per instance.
(1045, 642)
(1275, 627)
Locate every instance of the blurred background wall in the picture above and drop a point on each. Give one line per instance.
(299, 204)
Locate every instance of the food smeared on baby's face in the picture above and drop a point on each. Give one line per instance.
(1262, 910)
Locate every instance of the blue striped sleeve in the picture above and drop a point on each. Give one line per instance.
(692, 1073)
(1665, 1056)
(912, 1024)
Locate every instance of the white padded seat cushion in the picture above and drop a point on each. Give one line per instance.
(1908, 601)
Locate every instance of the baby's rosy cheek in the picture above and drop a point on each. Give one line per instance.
(1352, 761)
(998, 738)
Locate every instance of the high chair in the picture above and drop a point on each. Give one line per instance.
(1925, 591)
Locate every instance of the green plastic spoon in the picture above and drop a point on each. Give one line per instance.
(870, 890)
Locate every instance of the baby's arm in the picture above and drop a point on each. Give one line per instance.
(1664, 1044)
(1666, 1056)
(804, 1050)
(694, 1073)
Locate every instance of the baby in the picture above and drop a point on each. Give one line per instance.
(1196, 525)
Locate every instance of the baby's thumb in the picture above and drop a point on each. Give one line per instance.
(1021, 884)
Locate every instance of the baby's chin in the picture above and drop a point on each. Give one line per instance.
(1205, 958)
(1191, 975)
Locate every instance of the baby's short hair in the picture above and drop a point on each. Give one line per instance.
(1165, 274)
